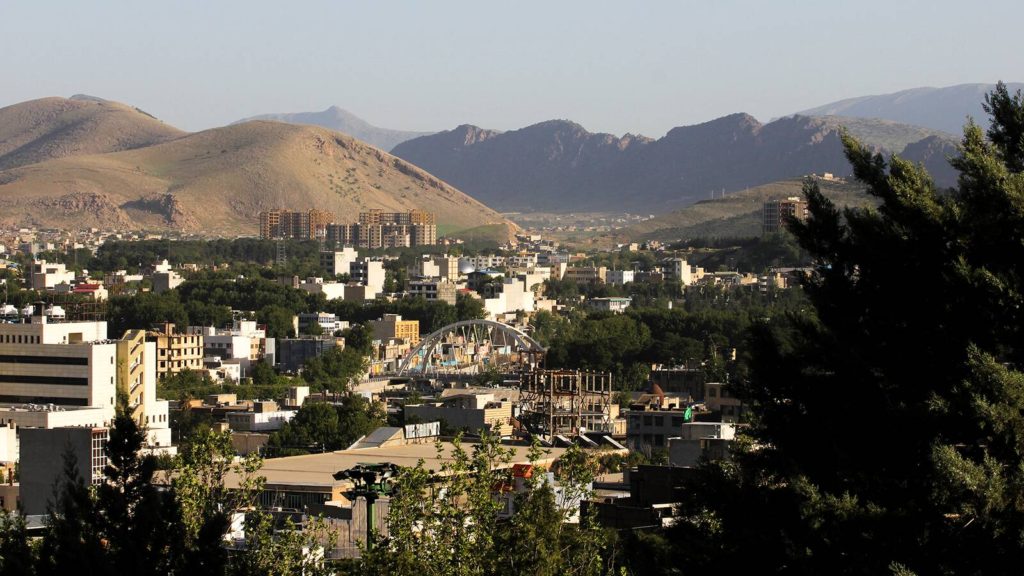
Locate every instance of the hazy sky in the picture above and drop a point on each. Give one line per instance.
(626, 66)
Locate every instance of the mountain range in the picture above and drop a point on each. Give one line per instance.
(335, 118)
(559, 166)
(88, 162)
(944, 109)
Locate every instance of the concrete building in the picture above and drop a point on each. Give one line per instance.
(264, 417)
(369, 273)
(41, 461)
(164, 281)
(619, 277)
(719, 398)
(437, 289)
(392, 326)
(700, 440)
(775, 213)
(510, 296)
(245, 341)
(282, 223)
(294, 352)
(328, 322)
(612, 304)
(176, 352)
(677, 270)
(331, 290)
(651, 428)
(586, 274)
(65, 364)
(681, 380)
(470, 412)
(46, 275)
(425, 267)
(337, 262)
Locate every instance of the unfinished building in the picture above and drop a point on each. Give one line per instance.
(565, 402)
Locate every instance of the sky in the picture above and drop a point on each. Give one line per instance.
(618, 67)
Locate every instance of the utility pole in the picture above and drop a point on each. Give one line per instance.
(371, 481)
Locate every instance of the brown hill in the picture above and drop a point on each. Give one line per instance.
(217, 181)
(48, 128)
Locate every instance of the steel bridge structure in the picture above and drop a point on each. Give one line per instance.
(471, 345)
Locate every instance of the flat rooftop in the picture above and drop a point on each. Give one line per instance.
(316, 470)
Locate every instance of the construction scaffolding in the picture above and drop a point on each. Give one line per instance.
(565, 402)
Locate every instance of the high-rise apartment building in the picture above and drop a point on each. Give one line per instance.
(777, 212)
(308, 225)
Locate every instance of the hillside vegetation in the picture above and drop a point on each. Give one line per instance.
(738, 215)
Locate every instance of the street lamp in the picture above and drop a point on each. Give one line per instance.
(369, 481)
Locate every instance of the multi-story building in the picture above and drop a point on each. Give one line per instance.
(619, 277)
(700, 440)
(136, 379)
(176, 352)
(719, 398)
(651, 428)
(47, 275)
(677, 270)
(586, 274)
(294, 352)
(328, 322)
(337, 262)
(392, 326)
(60, 363)
(777, 212)
(437, 289)
(41, 464)
(613, 304)
(379, 229)
(369, 273)
(245, 341)
(425, 267)
(469, 412)
(282, 223)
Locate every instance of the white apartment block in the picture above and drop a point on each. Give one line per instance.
(514, 297)
(244, 341)
(45, 275)
(481, 262)
(338, 261)
(619, 277)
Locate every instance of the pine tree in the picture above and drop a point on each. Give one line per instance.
(888, 422)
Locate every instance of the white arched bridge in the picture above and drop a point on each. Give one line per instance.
(471, 345)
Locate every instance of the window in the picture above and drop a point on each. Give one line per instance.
(647, 420)
(659, 420)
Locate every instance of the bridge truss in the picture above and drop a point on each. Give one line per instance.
(471, 345)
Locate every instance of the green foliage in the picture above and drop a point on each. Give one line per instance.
(16, 555)
(319, 426)
(888, 424)
(447, 523)
(335, 369)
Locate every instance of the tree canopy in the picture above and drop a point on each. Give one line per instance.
(889, 419)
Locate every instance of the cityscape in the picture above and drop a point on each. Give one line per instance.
(240, 341)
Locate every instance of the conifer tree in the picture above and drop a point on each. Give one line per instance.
(888, 422)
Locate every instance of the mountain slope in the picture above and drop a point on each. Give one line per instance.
(47, 128)
(943, 109)
(217, 181)
(335, 118)
(737, 215)
(559, 166)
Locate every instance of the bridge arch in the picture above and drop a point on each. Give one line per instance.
(476, 332)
